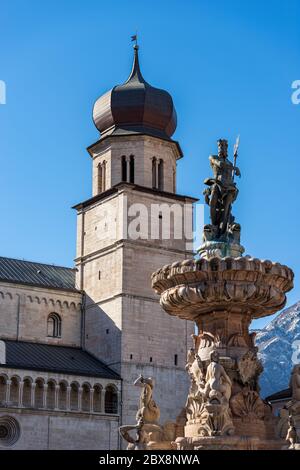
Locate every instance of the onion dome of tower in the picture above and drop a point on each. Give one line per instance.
(135, 108)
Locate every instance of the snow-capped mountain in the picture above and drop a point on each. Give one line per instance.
(278, 350)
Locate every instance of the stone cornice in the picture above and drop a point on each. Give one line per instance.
(136, 243)
(133, 187)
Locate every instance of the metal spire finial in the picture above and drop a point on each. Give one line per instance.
(135, 72)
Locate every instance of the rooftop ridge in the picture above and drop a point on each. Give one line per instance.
(36, 262)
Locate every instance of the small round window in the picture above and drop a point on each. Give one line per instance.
(9, 431)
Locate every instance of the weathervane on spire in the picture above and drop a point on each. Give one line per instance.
(134, 38)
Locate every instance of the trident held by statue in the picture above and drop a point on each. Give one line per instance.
(235, 155)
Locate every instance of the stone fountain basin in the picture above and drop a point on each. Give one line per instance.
(191, 288)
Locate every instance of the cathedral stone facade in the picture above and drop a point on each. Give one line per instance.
(74, 340)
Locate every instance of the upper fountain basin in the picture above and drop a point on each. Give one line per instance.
(247, 285)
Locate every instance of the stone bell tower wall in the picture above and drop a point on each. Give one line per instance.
(124, 323)
(143, 149)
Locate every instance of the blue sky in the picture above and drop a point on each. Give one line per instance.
(229, 66)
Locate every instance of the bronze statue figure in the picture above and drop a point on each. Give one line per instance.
(222, 236)
(222, 190)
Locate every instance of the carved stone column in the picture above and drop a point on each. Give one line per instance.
(7, 397)
(80, 390)
(57, 387)
(102, 400)
(92, 400)
(32, 395)
(68, 398)
(45, 391)
(21, 385)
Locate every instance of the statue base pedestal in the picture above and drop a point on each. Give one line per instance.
(220, 249)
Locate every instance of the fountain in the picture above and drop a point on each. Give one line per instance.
(222, 292)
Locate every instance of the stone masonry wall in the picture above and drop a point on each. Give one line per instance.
(24, 311)
(62, 431)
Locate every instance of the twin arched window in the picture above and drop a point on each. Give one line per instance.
(127, 169)
(54, 325)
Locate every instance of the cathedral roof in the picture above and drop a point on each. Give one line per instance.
(52, 358)
(135, 107)
(36, 274)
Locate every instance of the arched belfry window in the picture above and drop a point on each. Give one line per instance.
(131, 169)
(161, 175)
(127, 169)
(154, 179)
(124, 169)
(111, 400)
(104, 176)
(157, 173)
(54, 325)
(101, 177)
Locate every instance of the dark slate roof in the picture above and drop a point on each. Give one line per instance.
(52, 358)
(285, 394)
(36, 274)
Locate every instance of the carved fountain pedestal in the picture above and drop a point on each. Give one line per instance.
(222, 296)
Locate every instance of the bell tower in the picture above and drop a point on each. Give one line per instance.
(134, 223)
